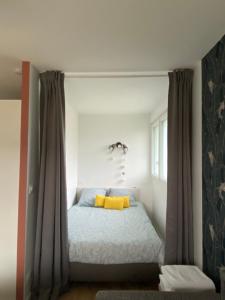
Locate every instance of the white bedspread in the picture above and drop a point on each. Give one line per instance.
(104, 236)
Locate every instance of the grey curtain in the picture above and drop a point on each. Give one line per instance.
(179, 223)
(51, 247)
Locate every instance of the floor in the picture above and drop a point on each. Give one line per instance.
(87, 291)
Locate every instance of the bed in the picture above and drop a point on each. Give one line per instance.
(111, 245)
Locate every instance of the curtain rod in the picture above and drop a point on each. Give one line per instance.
(111, 74)
(115, 74)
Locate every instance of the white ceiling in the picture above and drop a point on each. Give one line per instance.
(109, 35)
(116, 95)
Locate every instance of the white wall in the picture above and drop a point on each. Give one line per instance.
(159, 200)
(71, 152)
(95, 165)
(197, 163)
(9, 187)
(111, 95)
(159, 187)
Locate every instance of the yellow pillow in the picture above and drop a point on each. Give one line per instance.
(99, 200)
(126, 200)
(126, 203)
(114, 202)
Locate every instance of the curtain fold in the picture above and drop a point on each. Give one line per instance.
(179, 223)
(51, 265)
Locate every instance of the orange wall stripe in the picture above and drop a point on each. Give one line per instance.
(23, 182)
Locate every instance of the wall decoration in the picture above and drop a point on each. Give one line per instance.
(121, 178)
(119, 146)
(213, 160)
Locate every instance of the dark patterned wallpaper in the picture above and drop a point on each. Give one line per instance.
(213, 160)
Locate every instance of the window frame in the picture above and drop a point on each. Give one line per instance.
(155, 164)
(158, 122)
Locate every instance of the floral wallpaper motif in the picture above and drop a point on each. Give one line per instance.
(213, 163)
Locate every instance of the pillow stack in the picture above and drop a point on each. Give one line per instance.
(123, 192)
(88, 195)
(114, 198)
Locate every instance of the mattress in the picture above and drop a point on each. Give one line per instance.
(104, 236)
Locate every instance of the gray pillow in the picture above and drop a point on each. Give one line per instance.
(124, 192)
(88, 195)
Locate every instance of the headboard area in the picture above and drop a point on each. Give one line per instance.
(131, 189)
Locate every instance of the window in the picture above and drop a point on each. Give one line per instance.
(159, 147)
(155, 149)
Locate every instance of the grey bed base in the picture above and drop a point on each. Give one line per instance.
(153, 295)
(133, 272)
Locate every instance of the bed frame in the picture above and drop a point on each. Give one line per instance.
(132, 272)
